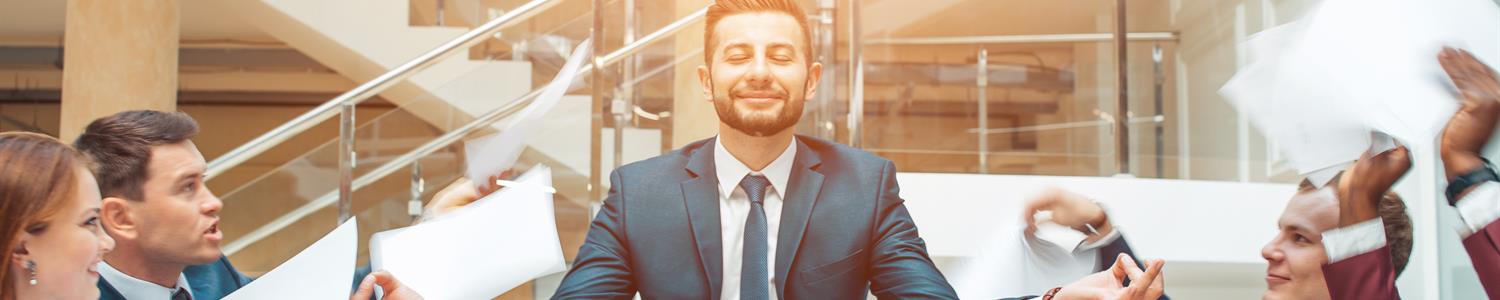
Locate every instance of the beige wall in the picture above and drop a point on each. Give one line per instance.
(122, 55)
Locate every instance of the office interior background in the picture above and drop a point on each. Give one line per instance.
(980, 103)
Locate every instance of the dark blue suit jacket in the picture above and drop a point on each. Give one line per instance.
(208, 281)
(844, 231)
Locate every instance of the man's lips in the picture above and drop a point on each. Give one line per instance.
(760, 94)
(759, 98)
(1272, 279)
(213, 233)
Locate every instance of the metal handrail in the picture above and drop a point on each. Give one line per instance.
(369, 89)
(1023, 39)
(451, 137)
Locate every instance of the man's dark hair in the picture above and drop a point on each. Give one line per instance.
(120, 146)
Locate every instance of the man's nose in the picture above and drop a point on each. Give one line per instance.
(759, 73)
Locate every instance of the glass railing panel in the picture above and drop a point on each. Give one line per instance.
(417, 113)
(1049, 100)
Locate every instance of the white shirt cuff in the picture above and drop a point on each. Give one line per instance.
(1480, 207)
(1349, 241)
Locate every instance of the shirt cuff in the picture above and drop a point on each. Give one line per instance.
(1349, 241)
(1480, 207)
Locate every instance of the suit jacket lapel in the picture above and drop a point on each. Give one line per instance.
(802, 194)
(701, 196)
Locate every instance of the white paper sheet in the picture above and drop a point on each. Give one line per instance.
(495, 153)
(1355, 66)
(1310, 132)
(322, 271)
(1013, 263)
(481, 250)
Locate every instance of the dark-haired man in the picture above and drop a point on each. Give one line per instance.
(162, 216)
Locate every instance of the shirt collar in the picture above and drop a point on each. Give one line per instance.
(133, 288)
(731, 170)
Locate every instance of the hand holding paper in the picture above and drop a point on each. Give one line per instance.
(1362, 187)
(460, 193)
(391, 288)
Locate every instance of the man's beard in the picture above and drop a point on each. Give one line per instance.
(758, 124)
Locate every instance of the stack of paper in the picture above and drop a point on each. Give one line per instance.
(322, 271)
(493, 154)
(1012, 262)
(1319, 86)
(481, 250)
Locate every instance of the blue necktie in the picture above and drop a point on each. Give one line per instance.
(754, 277)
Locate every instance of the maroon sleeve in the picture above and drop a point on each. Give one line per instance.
(1366, 276)
(1485, 253)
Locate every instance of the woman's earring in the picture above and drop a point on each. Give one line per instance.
(31, 267)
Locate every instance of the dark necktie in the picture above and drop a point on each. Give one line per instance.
(182, 294)
(754, 276)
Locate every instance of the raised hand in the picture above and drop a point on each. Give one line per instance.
(1479, 108)
(1365, 183)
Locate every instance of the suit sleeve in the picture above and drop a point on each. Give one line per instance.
(1360, 264)
(601, 270)
(1480, 209)
(1112, 246)
(900, 266)
(1484, 251)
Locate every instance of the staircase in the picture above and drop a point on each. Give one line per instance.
(366, 42)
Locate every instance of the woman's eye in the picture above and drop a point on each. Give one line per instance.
(92, 221)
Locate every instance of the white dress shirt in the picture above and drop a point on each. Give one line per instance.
(136, 289)
(1479, 208)
(734, 208)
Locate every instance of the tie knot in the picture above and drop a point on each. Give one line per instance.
(755, 187)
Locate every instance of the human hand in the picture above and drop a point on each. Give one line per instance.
(388, 284)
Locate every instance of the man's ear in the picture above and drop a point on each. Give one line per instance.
(814, 76)
(118, 216)
(705, 80)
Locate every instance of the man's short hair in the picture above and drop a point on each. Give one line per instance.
(120, 146)
(724, 8)
(1398, 232)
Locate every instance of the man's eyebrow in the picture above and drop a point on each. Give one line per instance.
(736, 45)
(780, 45)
